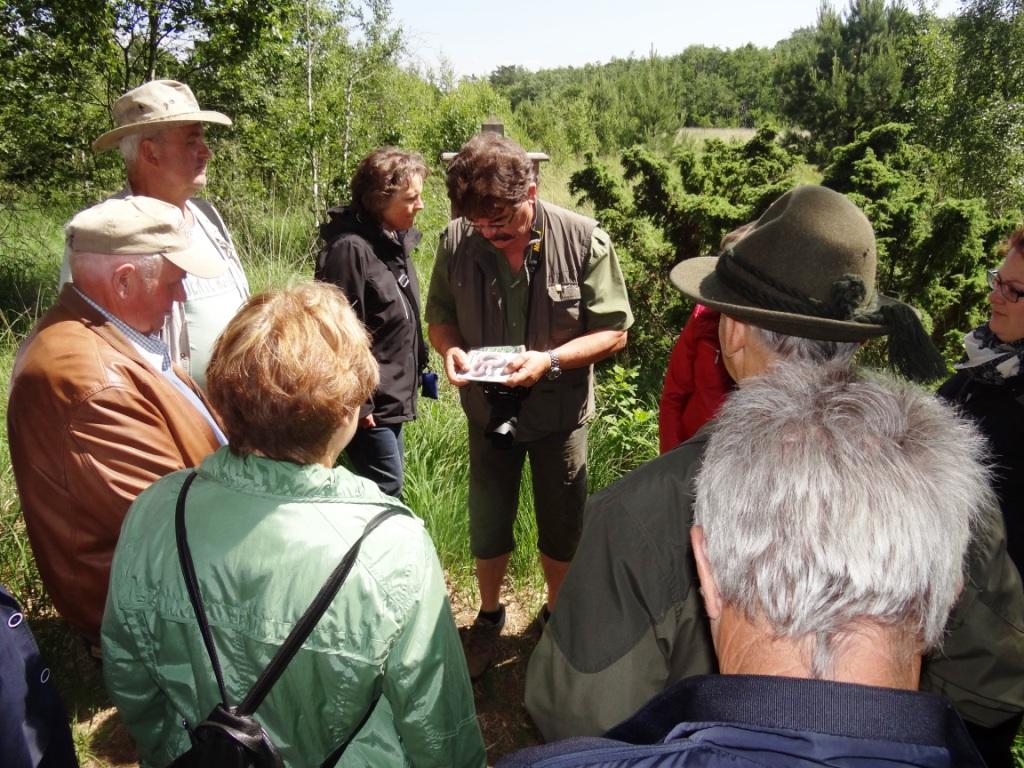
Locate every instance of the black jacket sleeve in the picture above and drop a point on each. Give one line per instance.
(344, 265)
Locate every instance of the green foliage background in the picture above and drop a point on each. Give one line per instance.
(918, 119)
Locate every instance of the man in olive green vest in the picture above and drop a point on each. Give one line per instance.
(513, 271)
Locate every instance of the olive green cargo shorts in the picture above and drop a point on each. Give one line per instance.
(558, 466)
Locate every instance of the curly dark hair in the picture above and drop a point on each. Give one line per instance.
(490, 173)
(381, 175)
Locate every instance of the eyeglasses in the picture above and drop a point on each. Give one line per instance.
(480, 226)
(1006, 290)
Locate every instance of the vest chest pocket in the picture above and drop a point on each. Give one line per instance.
(564, 301)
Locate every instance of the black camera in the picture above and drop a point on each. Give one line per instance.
(504, 421)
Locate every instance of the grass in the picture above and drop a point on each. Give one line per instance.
(18, 570)
(725, 134)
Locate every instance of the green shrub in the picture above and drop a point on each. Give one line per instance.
(624, 433)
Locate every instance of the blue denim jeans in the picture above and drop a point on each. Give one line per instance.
(377, 454)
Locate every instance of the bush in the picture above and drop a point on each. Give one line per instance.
(624, 433)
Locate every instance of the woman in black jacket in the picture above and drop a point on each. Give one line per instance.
(366, 253)
(989, 387)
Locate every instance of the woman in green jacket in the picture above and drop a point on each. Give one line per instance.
(268, 519)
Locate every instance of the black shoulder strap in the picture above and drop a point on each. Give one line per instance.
(298, 634)
(192, 585)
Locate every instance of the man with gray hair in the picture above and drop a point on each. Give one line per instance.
(159, 130)
(97, 411)
(799, 288)
(832, 520)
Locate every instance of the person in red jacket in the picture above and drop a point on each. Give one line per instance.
(696, 381)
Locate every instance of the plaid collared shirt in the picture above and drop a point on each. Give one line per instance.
(149, 344)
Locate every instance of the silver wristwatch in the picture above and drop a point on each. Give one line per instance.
(556, 370)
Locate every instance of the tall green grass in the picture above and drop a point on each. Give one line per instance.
(276, 240)
(31, 249)
(18, 570)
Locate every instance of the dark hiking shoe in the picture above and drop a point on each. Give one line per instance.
(480, 643)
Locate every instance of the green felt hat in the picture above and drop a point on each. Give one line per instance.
(807, 268)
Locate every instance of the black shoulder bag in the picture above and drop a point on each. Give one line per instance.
(230, 737)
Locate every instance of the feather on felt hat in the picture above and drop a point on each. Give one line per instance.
(807, 268)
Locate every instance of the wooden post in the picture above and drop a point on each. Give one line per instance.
(492, 125)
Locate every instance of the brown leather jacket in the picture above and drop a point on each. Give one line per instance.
(90, 426)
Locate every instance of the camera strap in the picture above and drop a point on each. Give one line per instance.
(534, 258)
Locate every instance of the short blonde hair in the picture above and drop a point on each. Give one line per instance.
(288, 371)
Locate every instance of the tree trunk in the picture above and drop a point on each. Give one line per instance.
(153, 39)
(314, 160)
(346, 140)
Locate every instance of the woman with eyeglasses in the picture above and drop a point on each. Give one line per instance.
(989, 388)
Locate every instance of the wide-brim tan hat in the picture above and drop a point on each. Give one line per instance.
(157, 104)
(140, 225)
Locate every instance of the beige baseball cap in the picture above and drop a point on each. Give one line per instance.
(140, 225)
(157, 104)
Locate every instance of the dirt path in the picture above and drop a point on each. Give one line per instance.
(504, 722)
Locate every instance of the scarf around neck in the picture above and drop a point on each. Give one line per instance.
(989, 359)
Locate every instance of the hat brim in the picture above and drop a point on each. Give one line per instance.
(196, 262)
(697, 279)
(110, 139)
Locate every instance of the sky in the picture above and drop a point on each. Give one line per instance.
(476, 37)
